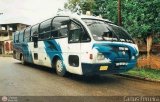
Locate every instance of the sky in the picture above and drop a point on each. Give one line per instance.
(28, 11)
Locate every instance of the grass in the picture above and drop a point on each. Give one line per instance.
(145, 73)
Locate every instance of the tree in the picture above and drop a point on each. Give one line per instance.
(80, 6)
(140, 17)
(107, 8)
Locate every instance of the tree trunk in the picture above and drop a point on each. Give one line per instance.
(149, 45)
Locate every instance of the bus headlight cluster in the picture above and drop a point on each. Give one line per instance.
(100, 56)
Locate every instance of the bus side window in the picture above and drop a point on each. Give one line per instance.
(63, 31)
(45, 29)
(55, 29)
(27, 35)
(59, 27)
(34, 31)
(21, 36)
(13, 37)
(54, 34)
(75, 32)
(16, 37)
(85, 37)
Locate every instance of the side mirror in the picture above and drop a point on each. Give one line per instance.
(35, 38)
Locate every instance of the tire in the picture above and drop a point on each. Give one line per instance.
(60, 69)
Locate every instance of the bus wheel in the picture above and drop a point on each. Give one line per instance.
(60, 69)
(22, 60)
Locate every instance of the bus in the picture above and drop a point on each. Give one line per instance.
(83, 45)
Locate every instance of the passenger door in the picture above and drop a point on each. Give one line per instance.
(35, 49)
(34, 40)
(74, 48)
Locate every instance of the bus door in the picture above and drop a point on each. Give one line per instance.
(35, 49)
(74, 47)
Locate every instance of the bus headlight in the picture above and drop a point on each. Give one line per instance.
(100, 56)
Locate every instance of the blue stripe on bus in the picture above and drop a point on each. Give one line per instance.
(115, 55)
(53, 49)
(27, 53)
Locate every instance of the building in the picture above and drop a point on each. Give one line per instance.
(6, 32)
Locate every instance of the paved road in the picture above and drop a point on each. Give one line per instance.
(20, 80)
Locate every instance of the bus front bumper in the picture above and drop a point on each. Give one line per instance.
(92, 69)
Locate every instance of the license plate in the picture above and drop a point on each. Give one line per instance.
(103, 68)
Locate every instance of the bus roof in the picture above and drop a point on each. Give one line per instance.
(86, 17)
(74, 16)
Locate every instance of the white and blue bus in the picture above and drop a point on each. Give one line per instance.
(82, 45)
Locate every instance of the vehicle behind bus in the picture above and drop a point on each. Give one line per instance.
(82, 45)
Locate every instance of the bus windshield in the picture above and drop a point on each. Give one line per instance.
(103, 31)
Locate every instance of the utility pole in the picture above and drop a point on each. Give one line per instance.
(119, 13)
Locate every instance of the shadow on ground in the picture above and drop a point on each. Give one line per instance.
(97, 79)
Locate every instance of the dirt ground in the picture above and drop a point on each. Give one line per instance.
(152, 62)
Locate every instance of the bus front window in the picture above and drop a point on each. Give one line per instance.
(102, 31)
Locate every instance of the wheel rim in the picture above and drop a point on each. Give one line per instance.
(59, 66)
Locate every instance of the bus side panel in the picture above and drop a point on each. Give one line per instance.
(47, 50)
(27, 52)
(16, 51)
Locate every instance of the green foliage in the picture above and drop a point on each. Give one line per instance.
(106, 8)
(145, 73)
(80, 5)
(156, 38)
(139, 17)
(71, 5)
